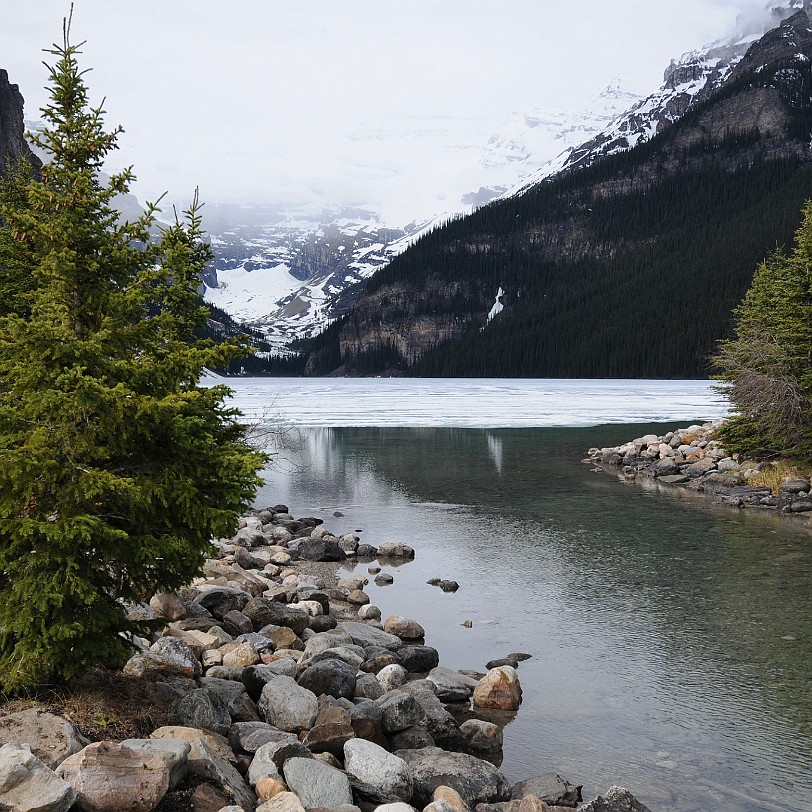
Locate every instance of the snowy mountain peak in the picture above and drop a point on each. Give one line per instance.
(688, 81)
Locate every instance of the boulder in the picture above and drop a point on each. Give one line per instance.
(28, 785)
(111, 777)
(392, 676)
(265, 612)
(616, 799)
(451, 686)
(168, 656)
(329, 738)
(248, 737)
(206, 763)
(375, 773)
(399, 711)
(333, 677)
(50, 738)
(270, 758)
(476, 781)
(551, 788)
(499, 689)
(287, 705)
(321, 549)
(368, 687)
(220, 600)
(369, 612)
(317, 784)
(395, 549)
(365, 635)
(404, 628)
(173, 752)
(238, 704)
(203, 708)
(482, 736)
(167, 605)
(419, 659)
(242, 656)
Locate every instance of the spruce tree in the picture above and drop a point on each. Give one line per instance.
(768, 362)
(116, 465)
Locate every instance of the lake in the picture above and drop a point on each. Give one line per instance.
(671, 638)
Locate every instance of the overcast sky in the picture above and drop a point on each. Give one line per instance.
(259, 99)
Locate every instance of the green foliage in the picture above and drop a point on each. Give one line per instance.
(116, 466)
(768, 362)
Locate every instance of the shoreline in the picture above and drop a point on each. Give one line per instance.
(692, 461)
(285, 690)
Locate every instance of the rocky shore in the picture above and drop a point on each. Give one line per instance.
(287, 692)
(692, 458)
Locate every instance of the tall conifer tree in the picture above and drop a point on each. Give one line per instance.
(768, 362)
(116, 466)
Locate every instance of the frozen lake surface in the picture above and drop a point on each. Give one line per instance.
(473, 403)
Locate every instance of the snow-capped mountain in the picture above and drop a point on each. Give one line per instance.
(687, 82)
(288, 272)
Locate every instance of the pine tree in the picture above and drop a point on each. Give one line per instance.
(116, 466)
(768, 362)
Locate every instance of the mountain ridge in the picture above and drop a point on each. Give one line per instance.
(727, 178)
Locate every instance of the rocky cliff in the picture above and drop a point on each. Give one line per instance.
(13, 146)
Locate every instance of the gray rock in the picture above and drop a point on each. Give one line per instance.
(412, 738)
(392, 676)
(236, 623)
(28, 785)
(317, 784)
(333, 677)
(451, 686)
(482, 736)
(173, 752)
(166, 657)
(399, 710)
(616, 799)
(204, 709)
(50, 738)
(368, 687)
(665, 467)
(238, 703)
(395, 549)
(270, 758)
(364, 635)
(287, 705)
(795, 486)
(375, 773)
(255, 677)
(366, 551)
(205, 762)
(321, 549)
(250, 736)
(439, 723)
(551, 788)
(419, 658)
(220, 600)
(700, 468)
(476, 781)
(265, 612)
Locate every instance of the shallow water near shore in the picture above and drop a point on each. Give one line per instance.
(671, 639)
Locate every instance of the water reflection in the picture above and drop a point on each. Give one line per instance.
(672, 640)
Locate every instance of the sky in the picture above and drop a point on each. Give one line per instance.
(288, 101)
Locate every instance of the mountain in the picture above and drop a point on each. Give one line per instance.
(289, 272)
(628, 261)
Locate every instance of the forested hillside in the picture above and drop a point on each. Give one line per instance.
(628, 268)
